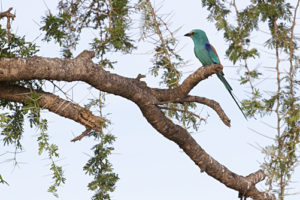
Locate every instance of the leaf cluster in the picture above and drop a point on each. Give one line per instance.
(100, 168)
(52, 150)
(108, 18)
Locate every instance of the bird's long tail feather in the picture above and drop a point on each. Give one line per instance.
(229, 88)
(237, 104)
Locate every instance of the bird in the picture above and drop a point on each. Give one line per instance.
(207, 55)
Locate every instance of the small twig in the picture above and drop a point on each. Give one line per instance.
(79, 137)
(245, 59)
(9, 16)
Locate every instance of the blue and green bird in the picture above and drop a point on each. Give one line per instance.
(207, 55)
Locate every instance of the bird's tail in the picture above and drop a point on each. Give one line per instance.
(229, 88)
(224, 81)
(237, 104)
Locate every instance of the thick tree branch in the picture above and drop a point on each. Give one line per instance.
(79, 69)
(54, 104)
(83, 69)
(202, 73)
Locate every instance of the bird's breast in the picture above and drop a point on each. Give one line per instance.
(203, 56)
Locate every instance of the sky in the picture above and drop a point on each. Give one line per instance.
(149, 165)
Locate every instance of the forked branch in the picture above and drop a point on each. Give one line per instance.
(83, 69)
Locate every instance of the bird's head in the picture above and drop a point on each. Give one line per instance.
(197, 35)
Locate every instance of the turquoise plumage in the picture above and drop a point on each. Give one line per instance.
(207, 55)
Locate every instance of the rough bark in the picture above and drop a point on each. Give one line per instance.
(83, 69)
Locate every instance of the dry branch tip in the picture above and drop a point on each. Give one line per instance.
(79, 137)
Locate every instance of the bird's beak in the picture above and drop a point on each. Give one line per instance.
(189, 34)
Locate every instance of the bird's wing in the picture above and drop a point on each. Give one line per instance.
(212, 53)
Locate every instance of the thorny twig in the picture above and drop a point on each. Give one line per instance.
(9, 16)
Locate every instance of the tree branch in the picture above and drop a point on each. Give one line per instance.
(202, 73)
(83, 69)
(79, 69)
(210, 103)
(188, 84)
(54, 104)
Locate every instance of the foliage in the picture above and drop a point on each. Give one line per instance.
(280, 18)
(52, 150)
(16, 46)
(98, 165)
(12, 129)
(109, 18)
(100, 168)
(12, 126)
(12, 118)
(34, 110)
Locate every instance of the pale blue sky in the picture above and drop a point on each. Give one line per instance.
(149, 166)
